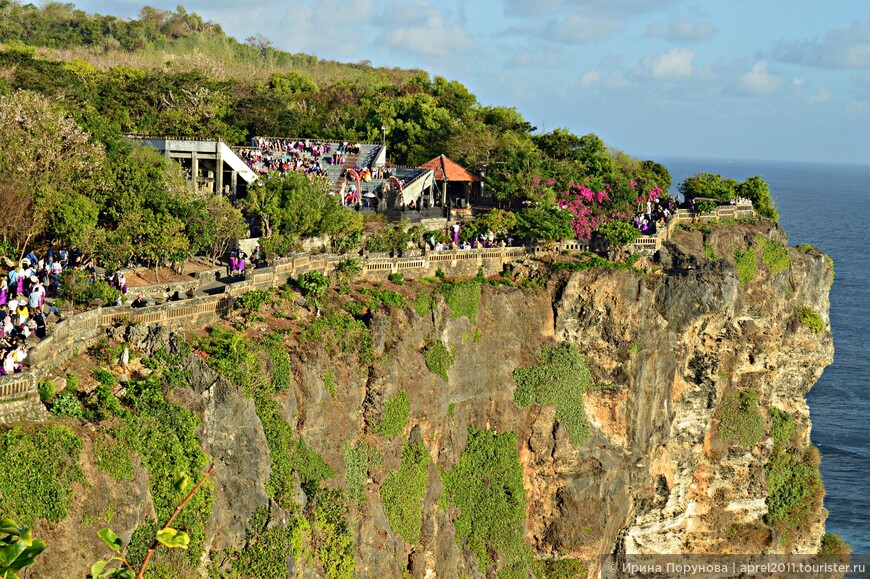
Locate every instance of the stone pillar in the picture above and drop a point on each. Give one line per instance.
(234, 181)
(218, 171)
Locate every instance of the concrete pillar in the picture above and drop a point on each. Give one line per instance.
(234, 181)
(194, 168)
(218, 171)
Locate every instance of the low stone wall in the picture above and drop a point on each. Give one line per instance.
(649, 244)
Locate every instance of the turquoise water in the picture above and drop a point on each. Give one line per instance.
(829, 207)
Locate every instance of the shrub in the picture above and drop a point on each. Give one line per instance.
(781, 428)
(403, 492)
(773, 254)
(832, 544)
(439, 359)
(356, 470)
(267, 547)
(558, 568)
(38, 467)
(67, 404)
(46, 389)
(114, 458)
(331, 535)
(792, 485)
(746, 265)
(740, 418)
(348, 269)
(423, 304)
(705, 206)
(396, 278)
(252, 301)
(709, 252)
(560, 379)
(618, 232)
(810, 319)
(396, 413)
(463, 298)
(486, 485)
(339, 331)
(439, 273)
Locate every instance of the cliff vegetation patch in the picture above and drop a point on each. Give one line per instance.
(746, 264)
(463, 298)
(810, 319)
(403, 492)
(438, 358)
(38, 467)
(486, 486)
(560, 379)
(356, 469)
(396, 413)
(266, 548)
(773, 254)
(740, 418)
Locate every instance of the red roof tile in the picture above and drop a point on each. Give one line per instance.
(442, 166)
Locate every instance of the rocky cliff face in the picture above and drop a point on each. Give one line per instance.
(677, 451)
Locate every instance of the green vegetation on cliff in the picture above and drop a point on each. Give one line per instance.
(396, 412)
(560, 379)
(486, 486)
(740, 418)
(403, 492)
(38, 466)
(438, 358)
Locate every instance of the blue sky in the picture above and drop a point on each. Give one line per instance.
(744, 79)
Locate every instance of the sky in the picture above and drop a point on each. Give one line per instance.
(743, 79)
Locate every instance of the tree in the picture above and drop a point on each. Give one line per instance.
(548, 223)
(560, 144)
(710, 186)
(618, 232)
(73, 220)
(229, 224)
(51, 156)
(756, 190)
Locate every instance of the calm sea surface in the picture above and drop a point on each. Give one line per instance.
(829, 207)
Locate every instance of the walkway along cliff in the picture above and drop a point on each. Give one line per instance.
(538, 421)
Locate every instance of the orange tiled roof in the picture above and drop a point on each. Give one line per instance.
(442, 166)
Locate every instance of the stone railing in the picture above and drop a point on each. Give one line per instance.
(651, 243)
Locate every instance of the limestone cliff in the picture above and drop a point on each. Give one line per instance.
(676, 455)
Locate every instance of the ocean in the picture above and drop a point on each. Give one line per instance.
(828, 206)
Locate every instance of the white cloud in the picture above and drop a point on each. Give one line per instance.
(590, 77)
(823, 95)
(681, 30)
(798, 82)
(847, 47)
(759, 80)
(419, 27)
(674, 64)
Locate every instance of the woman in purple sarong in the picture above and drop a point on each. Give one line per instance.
(233, 262)
(4, 292)
(241, 263)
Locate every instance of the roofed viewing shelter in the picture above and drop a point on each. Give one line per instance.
(457, 184)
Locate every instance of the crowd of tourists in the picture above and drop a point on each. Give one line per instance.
(657, 214)
(302, 156)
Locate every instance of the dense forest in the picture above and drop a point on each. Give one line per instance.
(73, 84)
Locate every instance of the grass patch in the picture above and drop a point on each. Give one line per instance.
(266, 547)
(709, 252)
(423, 305)
(793, 483)
(781, 428)
(773, 254)
(740, 418)
(396, 413)
(558, 568)
(463, 298)
(808, 318)
(486, 486)
(439, 359)
(338, 331)
(746, 264)
(833, 544)
(331, 537)
(403, 492)
(356, 470)
(329, 381)
(38, 466)
(114, 458)
(560, 379)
